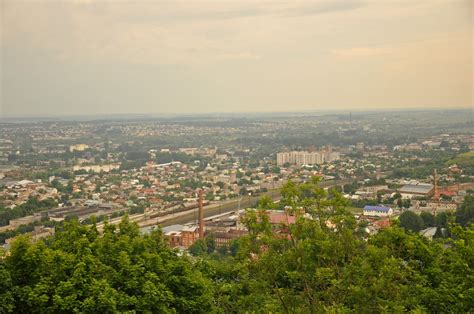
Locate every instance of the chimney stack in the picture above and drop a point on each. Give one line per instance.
(201, 216)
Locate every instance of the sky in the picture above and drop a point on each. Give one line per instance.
(86, 57)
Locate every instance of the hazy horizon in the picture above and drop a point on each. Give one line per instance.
(220, 115)
(70, 58)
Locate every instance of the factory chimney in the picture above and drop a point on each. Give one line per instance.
(201, 216)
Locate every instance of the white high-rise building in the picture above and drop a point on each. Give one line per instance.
(283, 158)
(305, 158)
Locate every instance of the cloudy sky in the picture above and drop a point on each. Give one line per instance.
(99, 57)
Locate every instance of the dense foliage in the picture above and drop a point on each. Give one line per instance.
(465, 214)
(330, 267)
(323, 263)
(80, 271)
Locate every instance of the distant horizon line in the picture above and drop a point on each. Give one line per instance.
(99, 116)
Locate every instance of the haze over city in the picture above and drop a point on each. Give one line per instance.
(240, 156)
(104, 57)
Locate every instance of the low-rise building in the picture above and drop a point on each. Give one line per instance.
(377, 211)
(15, 223)
(222, 238)
(441, 206)
(179, 235)
(416, 189)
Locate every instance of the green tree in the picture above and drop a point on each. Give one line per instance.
(119, 271)
(411, 221)
(210, 243)
(199, 247)
(265, 202)
(428, 219)
(465, 214)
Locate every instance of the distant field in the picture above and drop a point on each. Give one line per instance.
(464, 160)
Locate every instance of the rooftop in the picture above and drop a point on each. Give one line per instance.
(420, 188)
(277, 218)
(376, 208)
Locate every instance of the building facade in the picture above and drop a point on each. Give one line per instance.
(301, 158)
(377, 211)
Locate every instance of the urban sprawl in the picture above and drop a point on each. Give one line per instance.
(199, 176)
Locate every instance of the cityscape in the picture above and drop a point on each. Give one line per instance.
(54, 171)
(236, 157)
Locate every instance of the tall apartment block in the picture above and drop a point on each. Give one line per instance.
(301, 158)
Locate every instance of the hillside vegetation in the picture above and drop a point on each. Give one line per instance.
(310, 268)
(465, 161)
